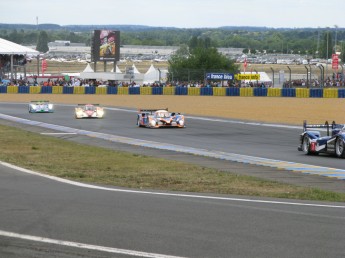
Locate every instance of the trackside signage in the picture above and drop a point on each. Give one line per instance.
(248, 76)
(220, 76)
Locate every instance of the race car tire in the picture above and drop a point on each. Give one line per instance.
(340, 148)
(138, 122)
(306, 145)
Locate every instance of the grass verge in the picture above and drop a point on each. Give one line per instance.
(97, 165)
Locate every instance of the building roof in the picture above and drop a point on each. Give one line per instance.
(10, 48)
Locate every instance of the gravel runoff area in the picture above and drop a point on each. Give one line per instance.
(263, 109)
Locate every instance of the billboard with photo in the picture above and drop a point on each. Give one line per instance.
(106, 45)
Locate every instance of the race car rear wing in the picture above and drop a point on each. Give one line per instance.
(88, 104)
(326, 125)
(36, 101)
(151, 110)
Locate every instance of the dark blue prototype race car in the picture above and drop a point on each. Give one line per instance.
(312, 143)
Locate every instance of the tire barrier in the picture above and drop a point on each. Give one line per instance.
(44, 90)
(341, 93)
(35, 90)
(260, 92)
(181, 91)
(190, 91)
(274, 92)
(134, 90)
(122, 91)
(23, 89)
(111, 90)
(232, 92)
(193, 91)
(90, 90)
(100, 90)
(67, 90)
(316, 93)
(58, 90)
(3, 89)
(289, 93)
(157, 91)
(78, 90)
(12, 89)
(208, 91)
(169, 91)
(302, 93)
(145, 91)
(330, 93)
(219, 91)
(246, 92)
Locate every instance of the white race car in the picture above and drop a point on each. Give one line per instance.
(40, 106)
(156, 118)
(89, 111)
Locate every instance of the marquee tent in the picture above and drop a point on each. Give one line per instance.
(10, 48)
(152, 75)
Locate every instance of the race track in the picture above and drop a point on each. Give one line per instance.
(223, 135)
(156, 223)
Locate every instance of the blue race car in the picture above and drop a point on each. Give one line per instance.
(40, 106)
(312, 143)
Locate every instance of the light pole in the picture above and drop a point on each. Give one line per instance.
(335, 41)
(257, 82)
(322, 69)
(307, 76)
(272, 76)
(289, 75)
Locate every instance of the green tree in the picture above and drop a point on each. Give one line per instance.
(42, 42)
(201, 59)
(326, 49)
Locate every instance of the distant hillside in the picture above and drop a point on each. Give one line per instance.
(128, 28)
(315, 42)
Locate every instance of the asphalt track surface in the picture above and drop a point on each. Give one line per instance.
(176, 224)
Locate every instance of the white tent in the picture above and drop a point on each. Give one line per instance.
(88, 69)
(135, 70)
(152, 75)
(11, 48)
(117, 70)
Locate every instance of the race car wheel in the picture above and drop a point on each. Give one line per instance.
(340, 148)
(306, 145)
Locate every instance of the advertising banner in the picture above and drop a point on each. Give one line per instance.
(106, 45)
(220, 76)
(242, 77)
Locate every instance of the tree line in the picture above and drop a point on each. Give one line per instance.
(318, 43)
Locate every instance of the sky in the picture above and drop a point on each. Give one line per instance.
(177, 13)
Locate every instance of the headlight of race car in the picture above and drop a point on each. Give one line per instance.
(50, 106)
(100, 112)
(79, 112)
(181, 122)
(153, 122)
